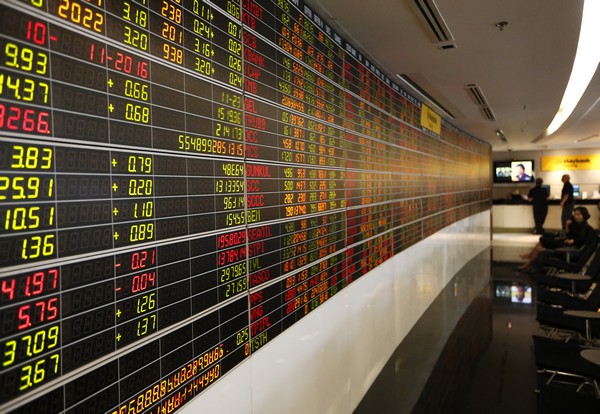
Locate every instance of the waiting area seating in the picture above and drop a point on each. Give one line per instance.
(568, 310)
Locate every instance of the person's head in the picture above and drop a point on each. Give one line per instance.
(520, 170)
(539, 182)
(565, 178)
(581, 214)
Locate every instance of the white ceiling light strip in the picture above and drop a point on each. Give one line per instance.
(584, 66)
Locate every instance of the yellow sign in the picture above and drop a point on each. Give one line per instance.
(431, 120)
(570, 162)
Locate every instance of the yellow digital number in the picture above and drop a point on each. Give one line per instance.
(136, 90)
(25, 218)
(203, 66)
(29, 158)
(10, 348)
(25, 59)
(141, 232)
(146, 210)
(146, 303)
(140, 187)
(37, 246)
(139, 164)
(23, 188)
(137, 113)
(135, 38)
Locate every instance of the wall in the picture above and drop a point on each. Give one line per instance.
(194, 215)
(326, 362)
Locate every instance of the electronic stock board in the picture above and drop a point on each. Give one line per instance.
(183, 180)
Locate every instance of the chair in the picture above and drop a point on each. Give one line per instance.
(570, 259)
(568, 281)
(556, 323)
(567, 382)
(567, 300)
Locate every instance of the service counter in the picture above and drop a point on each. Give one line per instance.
(517, 214)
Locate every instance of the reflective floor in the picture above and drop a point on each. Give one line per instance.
(477, 361)
(504, 380)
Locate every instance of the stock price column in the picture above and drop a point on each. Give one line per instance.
(29, 301)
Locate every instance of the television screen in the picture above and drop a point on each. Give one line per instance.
(521, 171)
(576, 192)
(513, 171)
(520, 294)
(513, 292)
(502, 172)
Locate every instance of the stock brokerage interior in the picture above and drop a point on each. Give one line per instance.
(181, 181)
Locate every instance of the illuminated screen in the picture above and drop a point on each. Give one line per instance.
(520, 294)
(181, 181)
(513, 292)
(521, 171)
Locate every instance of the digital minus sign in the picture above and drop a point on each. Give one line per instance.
(118, 265)
(117, 289)
(54, 38)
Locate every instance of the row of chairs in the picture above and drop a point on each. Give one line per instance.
(568, 311)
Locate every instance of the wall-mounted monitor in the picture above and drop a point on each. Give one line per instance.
(513, 171)
(576, 193)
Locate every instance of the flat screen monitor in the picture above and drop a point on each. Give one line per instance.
(576, 193)
(513, 171)
(510, 292)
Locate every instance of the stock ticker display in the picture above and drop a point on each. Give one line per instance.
(183, 180)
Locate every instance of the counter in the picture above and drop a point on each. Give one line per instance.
(517, 215)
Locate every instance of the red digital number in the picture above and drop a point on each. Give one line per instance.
(8, 288)
(141, 260)
(14, 118)
(41, 311)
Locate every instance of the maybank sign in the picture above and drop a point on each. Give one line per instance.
(430, 120)
(570, 162)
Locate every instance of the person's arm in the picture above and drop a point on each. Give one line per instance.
(579, 236)
(564, 199)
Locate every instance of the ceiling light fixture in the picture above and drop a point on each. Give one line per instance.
(500, 134)
(586, 138)
(584, 66)
(501, 25)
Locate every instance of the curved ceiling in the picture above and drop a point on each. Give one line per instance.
(521, 68)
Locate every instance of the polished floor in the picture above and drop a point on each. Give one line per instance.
(505, 380)
(486, 364)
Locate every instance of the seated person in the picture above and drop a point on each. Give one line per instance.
(579, 230)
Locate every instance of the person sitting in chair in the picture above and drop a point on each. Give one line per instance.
(579, 231)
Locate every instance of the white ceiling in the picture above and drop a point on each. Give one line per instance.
(521, 70)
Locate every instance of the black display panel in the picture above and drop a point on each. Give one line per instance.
(182, 180)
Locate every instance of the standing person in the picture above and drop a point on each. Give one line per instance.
(538, 197)
(567, 202)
